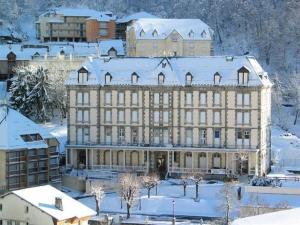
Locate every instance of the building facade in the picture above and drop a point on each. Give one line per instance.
(72, 24)
(169, 37)
(170, 115)
(28, 153)
(42, 205)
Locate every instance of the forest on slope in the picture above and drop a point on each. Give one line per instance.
(267, 29)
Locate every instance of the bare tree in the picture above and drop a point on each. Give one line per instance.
(150, 181)
(228, 201)
(184, 182)
(98, 193)
(197, 178)
(129, 189)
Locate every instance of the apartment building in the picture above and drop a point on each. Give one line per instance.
(28, 153)
(42, 205)
(169, 37)
(171, 115)
(75, 24)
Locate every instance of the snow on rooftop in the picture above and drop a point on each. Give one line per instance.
(135, 16)
(285, 217)
(106, 45)
(155, 28)
(43, 197)
(13, 124)
(174, 69)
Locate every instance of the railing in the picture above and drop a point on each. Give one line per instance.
(118, 168)
(198, 170)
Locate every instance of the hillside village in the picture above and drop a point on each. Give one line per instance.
(134, 120)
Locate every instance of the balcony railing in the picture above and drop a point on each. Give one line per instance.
(118, 168)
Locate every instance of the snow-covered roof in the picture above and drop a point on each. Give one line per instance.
(20, 52)
(285, 217)
(43, 197)
(174, 69)
(13, 124)
(188, 29)
(135, 16)
(106, 45)
(80, 12)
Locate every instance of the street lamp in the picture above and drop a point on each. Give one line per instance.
(174, 219)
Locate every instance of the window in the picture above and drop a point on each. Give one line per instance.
(112, 52)
(161, 78)
(134, 78)
(134, 135)
(156, 133)
(108, 98)
(156, 116)
(188, 116)
(121, 116)
(188, 99)
(243, 137)
(243, 76)
(108, 135)
(142, 33)
(166, 136)
(108, 116)
(1, 207)
(166, 99)
(83, 116)
(203, 99)
(217, 137)
(246, 118)
(26, 209)
(242, 117)
(82, 76)
(108, 78)
(83, 135)
(156, 99)
(103, 32)
(239, 99)
(82, 98)
(134, 98)
(154, 33)
(217, 117)
(166, 116)
(217, 78)
(202, 117)
(191, 34)
(188, 79)
(203, 136)
(134, 116)
(121, 135)
(188, 137)
(121, 99)
(246, 99)
(217, 100)
(243, 99)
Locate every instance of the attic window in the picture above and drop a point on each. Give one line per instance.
(108, 78)
(142, 33)
(203, 34)
(161, 78)
(217, 78)
(112, 52)
(82, 75)
(134, 78)
(191, 34)
(31, 137)
(154, 33)
(188, 79)
(243, 76)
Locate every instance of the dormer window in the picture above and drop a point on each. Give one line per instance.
(161, 78)
(134, 78)
(203, 34)
(191, 34)
(142, 33)
(217, 78)
(243, 76)
(154, 33)
(108, 78)
(188, 79)
(112, 52)
(82, 75)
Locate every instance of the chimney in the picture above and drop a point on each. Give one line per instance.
(59, 203)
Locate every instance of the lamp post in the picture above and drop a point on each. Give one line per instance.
(174, 219)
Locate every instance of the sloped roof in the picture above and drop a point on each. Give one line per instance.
(43, 197)
(189, 29)
(135, 16)
(202, 68)
(13, 124)
(106, 45)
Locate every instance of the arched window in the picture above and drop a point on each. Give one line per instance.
(217, 78)
(243, 76)
(188, 160)
(108, 78)
(82, 75)
(134, 78)
(188, 78)
(161, 78)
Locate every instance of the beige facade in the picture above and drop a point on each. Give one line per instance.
(212, 129)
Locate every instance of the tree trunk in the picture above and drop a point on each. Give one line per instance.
(128, 211)
(296, 117)
(97, 207)
(197, 190)
(227, 215)
(149, 192)
(156, 190)
(184, 190)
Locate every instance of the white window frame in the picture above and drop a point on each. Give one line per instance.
(166, 99)
(108, 98)
(121, 115)
(217, 117)
(108, 115)
(203, 98)
(202, 117)
(134, 98)
(156, 97)
(188, 116)
(134, 116)
(156, 116)
(121, 98)
(166, 116)
(217, 98)
(188, 98)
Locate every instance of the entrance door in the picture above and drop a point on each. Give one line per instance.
(188, 160)
(161, 163)
(81, 160)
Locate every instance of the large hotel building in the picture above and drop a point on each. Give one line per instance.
(209, 114)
